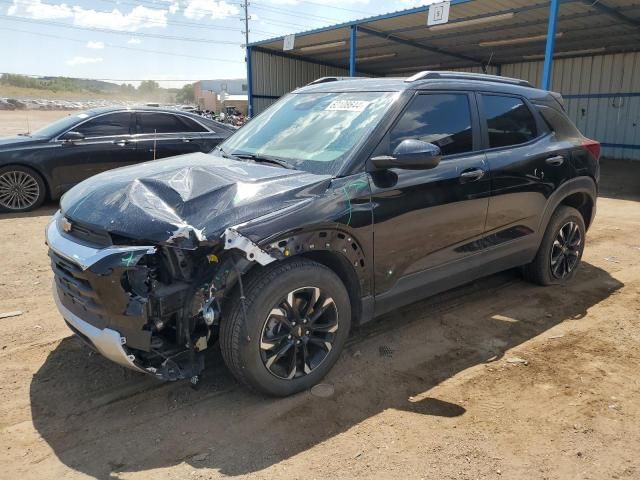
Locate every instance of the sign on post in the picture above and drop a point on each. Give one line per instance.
(289, 40)
(438, 13)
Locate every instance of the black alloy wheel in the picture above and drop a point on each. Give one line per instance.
(561, 249)
(299, 333)
(566, 250)
(290, 329)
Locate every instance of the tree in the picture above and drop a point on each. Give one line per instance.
(186, 94)
(148, 86)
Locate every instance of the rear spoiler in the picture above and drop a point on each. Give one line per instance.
(558, 98)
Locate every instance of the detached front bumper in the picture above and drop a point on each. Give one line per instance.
(107, 342)
(81, 305)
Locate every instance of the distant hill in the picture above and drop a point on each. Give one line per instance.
(80, 88)
(85, 84)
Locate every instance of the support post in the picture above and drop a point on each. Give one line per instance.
(352, 51)
(249, 84)
(551, 41)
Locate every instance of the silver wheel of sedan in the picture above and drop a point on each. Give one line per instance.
(20, 190)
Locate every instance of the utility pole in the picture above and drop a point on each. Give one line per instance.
(246, 23)
(247, 57)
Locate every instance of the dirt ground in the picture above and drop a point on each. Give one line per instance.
(430, 391)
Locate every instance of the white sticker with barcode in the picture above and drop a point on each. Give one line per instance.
(348, 105)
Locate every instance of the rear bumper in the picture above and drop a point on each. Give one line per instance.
(107, 342)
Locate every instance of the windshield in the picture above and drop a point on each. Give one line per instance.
(59, 126)
(312, 131)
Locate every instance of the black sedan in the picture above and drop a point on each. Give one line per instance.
(48, 162)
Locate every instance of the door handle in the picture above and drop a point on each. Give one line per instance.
(472, 175)
(186, 140)
(122, 143)
(555, 161)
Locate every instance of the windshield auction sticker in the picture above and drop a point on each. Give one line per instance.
(348, 105)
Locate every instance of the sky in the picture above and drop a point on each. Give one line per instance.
(170, 41)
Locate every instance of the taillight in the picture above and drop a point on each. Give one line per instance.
(593, 147)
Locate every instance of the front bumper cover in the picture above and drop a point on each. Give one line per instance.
(107, 342)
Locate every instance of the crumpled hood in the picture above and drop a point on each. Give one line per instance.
(188, 199)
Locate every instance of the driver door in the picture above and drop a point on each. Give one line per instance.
(425, 220)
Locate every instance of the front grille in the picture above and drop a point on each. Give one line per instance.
(89, 235)
(76, 292)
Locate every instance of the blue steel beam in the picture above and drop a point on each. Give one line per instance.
(612, 12)
(421, 46)
(353, 48)
(554, 7)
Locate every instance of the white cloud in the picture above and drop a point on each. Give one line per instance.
(95, 45)
(139, 17)
(337, 2)
(37, 9)
(83, 60)
(214, 9)
(134, 41)
(174, 5)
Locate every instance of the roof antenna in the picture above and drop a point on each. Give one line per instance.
(28, 126)
(488, 64)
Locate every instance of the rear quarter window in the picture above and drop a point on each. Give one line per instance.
(152, 122)
(557, 121)
(509, 121)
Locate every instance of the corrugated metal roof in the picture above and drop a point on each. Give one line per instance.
(490, 31)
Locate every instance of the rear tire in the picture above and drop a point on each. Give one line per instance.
(561, 249)
(298, 317)
(21, 189)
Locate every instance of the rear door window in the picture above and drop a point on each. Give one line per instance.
(443, 119)
(509, 121)
(112, 124)
(152, 122)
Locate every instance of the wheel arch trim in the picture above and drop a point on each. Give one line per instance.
(585, 185)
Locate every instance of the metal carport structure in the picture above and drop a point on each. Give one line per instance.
(587, 50)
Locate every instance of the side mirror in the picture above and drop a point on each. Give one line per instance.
(71, 137)
(411, 154)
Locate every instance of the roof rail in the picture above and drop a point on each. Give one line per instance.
(429, 75)
(329, 79)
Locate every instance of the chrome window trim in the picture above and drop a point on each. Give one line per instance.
(135, 112)
(56, 139)
(178, 114)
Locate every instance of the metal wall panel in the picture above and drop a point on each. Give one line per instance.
(275, 75)
(587, 84)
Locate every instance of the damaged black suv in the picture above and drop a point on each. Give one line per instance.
(342, 201)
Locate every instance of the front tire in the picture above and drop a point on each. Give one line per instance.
(561, 249)
(21, 189)
(298, 317)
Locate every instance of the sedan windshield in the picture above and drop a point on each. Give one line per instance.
(59, 126)
(315, 132)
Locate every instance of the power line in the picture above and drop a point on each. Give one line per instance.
(113, 79)
(284, 11)
(137, 49)
(117, 32)
(335, 7)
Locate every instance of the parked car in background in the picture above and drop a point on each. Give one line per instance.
(342, 201)
(49, 161)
